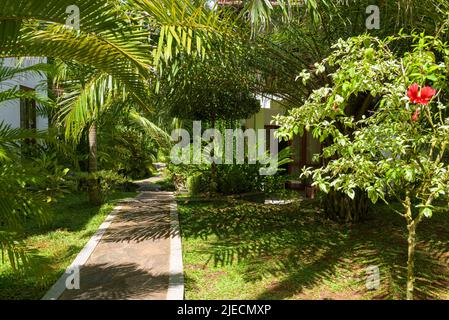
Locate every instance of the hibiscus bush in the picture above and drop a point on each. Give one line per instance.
(391, 144)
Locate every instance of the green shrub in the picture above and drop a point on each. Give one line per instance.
(197, 183)
(235, 179)
(108, 180)
(275, 185)
(167, 185)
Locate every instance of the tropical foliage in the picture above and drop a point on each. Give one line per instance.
(396, 153)
(121, 73)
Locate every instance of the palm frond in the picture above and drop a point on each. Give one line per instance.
(149, 128)
(184, 26)
(82, 105)
(10, 139)
(18, 202)
(107, 40)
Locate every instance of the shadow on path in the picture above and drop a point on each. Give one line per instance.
(132, 260)
(118, 282)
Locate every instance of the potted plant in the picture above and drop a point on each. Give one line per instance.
(311, 191)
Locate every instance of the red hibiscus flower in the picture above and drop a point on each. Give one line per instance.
(420, 97)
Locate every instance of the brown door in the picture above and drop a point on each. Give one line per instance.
(27, 111)
(28, 117)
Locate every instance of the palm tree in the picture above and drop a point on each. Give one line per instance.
(107, 40)
(88, 97)
(17, 201)
(125, 39)
(128, 44)
(115, 44)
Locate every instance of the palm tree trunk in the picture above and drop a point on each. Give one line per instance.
(93, 184)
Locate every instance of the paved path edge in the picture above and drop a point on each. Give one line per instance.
(176, 276)
(60, 286)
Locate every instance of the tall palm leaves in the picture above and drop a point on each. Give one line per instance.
(10, 76)
(124, 39)
(115, 44)
(17, 203)
(107, 40)
(90, 100)
(82, 103)
(346, 14)
(288, 48)
(10, 92)
(184, 26)
(86, 94)
(99, 98)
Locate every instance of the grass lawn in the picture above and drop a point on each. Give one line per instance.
(55, 245)
(248, 251)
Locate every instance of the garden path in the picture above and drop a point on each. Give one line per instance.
(139, 255)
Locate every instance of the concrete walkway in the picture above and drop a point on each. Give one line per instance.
(139, 255)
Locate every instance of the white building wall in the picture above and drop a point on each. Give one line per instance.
(10, 110)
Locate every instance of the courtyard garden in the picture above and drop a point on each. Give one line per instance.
(302, 145)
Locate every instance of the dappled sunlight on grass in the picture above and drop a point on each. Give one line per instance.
(242, 250)
(54, 246)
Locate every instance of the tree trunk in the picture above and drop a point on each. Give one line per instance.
(213, 184)
(93, 184)
(340, 208)
(213, 167)
(411, 259)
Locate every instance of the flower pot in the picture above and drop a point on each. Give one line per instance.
(311, 192)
